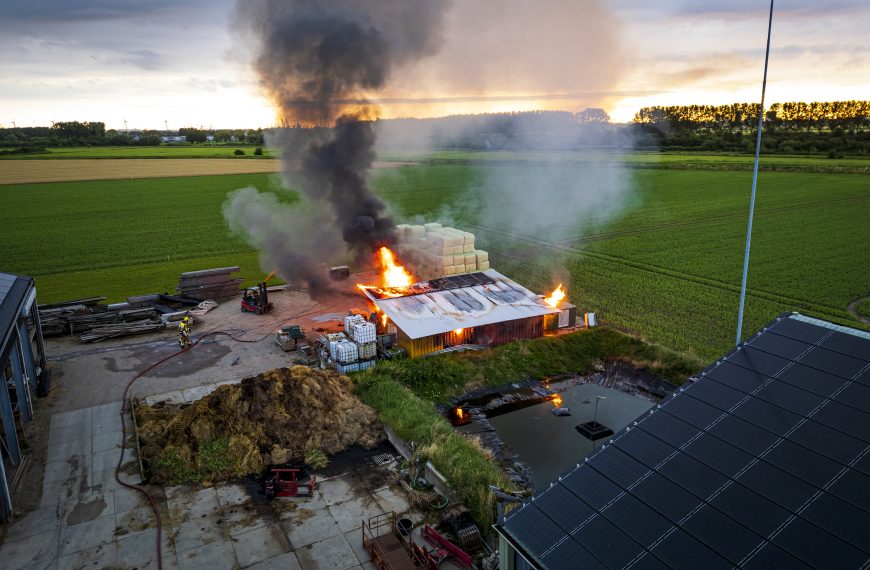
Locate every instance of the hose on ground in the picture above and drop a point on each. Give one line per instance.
(141, 373)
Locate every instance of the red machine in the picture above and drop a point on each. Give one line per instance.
(256, 300)
(285, 483)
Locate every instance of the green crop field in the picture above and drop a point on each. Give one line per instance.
(667, 267)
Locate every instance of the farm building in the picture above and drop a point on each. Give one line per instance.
(481, 308)
(22, 371)
(759, 461)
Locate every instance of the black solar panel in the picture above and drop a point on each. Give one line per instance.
(607, 543)
(534, 529)
(679, 550)
(595, 489)
(779, 345)
(564, 507)
(811, 379)
(799, 330)
(817, 547)
(569, 555)
(848, 344)
(762, 462)
(833, 362)
(753, 510)
(722, 534)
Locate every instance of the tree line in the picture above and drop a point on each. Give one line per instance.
(92, 133)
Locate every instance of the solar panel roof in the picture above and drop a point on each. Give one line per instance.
(760, 461)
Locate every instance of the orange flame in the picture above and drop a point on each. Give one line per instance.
(555, 297)
(459, 413)
(395, 278)
(384, 320)
(394, 275)
(458, 331)
(557, 400)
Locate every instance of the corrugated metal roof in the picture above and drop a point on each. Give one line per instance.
(762, 462)
(13, 290)
(440, 311)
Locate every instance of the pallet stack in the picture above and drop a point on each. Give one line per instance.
(436, 251)
(209, 284)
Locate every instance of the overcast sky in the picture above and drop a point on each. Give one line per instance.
(179, 62)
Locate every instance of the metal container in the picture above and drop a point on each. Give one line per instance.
(589, 319)
(339, 273)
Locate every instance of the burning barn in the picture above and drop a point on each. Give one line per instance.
(481, 308)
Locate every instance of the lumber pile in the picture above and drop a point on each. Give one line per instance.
(438, 251)
(209, 284)
(94, 320)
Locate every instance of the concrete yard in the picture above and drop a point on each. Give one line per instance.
(81, 517)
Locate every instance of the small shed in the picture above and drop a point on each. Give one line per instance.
(481, 308)
(22, 372)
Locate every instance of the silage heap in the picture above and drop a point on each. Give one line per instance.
(239, 429)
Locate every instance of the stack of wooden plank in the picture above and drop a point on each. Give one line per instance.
(209, 284)
(94, 320)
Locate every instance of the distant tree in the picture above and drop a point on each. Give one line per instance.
(193, 135)
(238, 152)
(258, 151)
(592, 115)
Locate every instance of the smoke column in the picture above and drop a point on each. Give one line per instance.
(319, 61)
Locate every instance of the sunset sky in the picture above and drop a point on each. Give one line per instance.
(180, 63)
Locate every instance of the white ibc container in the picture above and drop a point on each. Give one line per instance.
(346, 352)
(349, 320)
(367, 350)
(363, 332)
(347, 368)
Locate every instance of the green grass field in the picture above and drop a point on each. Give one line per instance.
(667, 268)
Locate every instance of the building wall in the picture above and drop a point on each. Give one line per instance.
(487, 335)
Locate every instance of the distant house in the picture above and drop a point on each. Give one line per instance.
(760, 461)
(173, 138)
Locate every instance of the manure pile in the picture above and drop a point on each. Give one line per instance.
(239, 429)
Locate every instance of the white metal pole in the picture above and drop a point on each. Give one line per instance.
(754, 183)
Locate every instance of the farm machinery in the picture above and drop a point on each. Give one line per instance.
(289, 483)
(256, 300)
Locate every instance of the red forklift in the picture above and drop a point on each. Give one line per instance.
(256, 300)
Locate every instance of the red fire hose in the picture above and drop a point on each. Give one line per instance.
(141, 373)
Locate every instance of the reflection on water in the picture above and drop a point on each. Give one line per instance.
(550, 444)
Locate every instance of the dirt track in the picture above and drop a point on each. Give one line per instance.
(30, 171)
(27, 171)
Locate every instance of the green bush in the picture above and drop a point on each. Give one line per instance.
(238, 152)
(258, 151)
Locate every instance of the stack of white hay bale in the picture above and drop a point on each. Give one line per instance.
(437, 251)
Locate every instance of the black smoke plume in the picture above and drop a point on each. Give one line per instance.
(319, 61)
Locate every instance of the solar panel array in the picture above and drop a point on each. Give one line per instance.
(762, 462)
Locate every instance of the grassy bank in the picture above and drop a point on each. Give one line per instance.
(403, 393)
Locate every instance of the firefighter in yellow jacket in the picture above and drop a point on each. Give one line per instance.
(184, 332)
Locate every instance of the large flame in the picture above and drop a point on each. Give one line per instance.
(394, 277)
(555, 297)
(557, 400)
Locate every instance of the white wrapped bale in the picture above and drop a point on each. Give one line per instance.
(482, 265)
(468, 248)
(469, 237)
(450, 270)
(432, 227)
(470, 259)
(460, 268)
(418, 231)
(481, 256)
